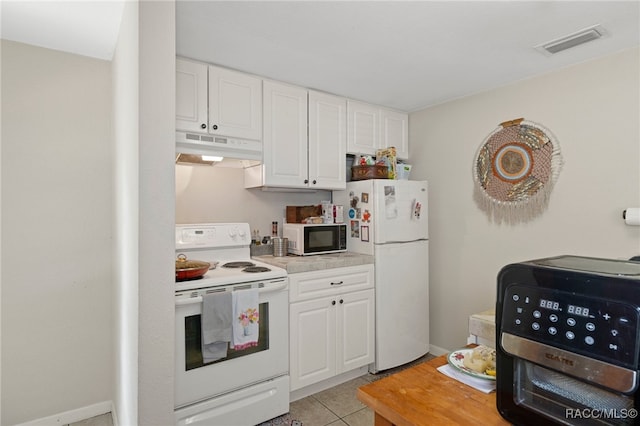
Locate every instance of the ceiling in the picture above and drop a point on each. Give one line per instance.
(402, 54)
(84, 27)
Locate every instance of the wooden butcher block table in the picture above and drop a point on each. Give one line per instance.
(421, 395)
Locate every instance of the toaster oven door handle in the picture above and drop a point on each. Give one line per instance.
(591, 370)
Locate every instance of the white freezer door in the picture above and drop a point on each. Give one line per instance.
(395, 216)
(402, 303)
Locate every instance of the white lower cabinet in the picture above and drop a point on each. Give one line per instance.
(331, 323)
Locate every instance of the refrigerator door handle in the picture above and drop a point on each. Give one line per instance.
(402, 242)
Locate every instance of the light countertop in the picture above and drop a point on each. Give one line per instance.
(296, 264)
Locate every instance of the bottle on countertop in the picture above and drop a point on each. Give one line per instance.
(274, 229)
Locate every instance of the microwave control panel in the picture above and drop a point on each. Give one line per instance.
(594, 327)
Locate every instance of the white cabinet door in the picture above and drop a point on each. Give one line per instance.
(191, 96)
(313, 341)
(285, 135)
(332, 327)
(235, 104)
(362, 128)
(327, 141)
(394, 129)
(355, 345)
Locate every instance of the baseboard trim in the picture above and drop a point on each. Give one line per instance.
(72, 416)
(437, 351)
(328, 383)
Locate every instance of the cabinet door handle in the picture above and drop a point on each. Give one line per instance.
(338, 283)
(306, 181)
(215, 127)
(314, 181)
(341, 301)
(333, 302)
(204, 126)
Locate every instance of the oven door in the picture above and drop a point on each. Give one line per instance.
(196, 381)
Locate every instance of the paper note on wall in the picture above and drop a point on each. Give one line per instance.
(391, 208)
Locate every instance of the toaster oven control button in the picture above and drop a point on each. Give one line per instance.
(537, 314)
(552, 331)
(590, 326)
(569, 335)
(589, 340)
(553, 318)
(535, 326)
(571, 322)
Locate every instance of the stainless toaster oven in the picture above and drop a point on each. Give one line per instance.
(567, 334)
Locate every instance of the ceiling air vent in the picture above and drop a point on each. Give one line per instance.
(572, 40)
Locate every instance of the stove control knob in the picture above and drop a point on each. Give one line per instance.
(242, 234)
(233, 232)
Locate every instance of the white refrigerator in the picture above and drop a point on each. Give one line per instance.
(388, 219)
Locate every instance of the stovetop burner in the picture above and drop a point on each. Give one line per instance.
(256, 269)
(238, 265)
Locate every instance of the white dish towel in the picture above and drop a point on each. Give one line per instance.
(483, 385)
(246, 317)
(216, 325)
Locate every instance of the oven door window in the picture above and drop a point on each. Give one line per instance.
(193, 340)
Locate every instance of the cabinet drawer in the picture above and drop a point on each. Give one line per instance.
(327, 282)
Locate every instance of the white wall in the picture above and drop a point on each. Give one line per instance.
(56, 239)
(156, 214)
(125, 216)
(593, 109)
(211, 194)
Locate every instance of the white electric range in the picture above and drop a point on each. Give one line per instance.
(248, 386)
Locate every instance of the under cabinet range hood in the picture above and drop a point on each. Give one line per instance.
(201, 149)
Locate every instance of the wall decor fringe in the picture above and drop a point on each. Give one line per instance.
(514, 171)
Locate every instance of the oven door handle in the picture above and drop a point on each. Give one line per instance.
(270, 289)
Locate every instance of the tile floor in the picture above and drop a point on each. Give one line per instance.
(337, 406)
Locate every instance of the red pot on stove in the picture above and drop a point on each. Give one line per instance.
(190, 269)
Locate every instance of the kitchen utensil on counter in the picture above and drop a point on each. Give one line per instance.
(191, 269)
(280, 246)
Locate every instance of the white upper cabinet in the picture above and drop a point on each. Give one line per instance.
(394, 129)
(304, 140)
(191, 96)
(371, 127)
(285, 136)
(218, 101)
(235, 104)
(363, 127)
(327, 141)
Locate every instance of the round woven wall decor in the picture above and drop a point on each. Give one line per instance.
(514, 171)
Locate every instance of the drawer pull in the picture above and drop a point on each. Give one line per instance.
(338, 283)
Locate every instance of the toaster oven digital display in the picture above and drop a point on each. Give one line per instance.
(595, 327)
(578, 310)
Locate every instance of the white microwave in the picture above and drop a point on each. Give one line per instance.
(306, 239)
